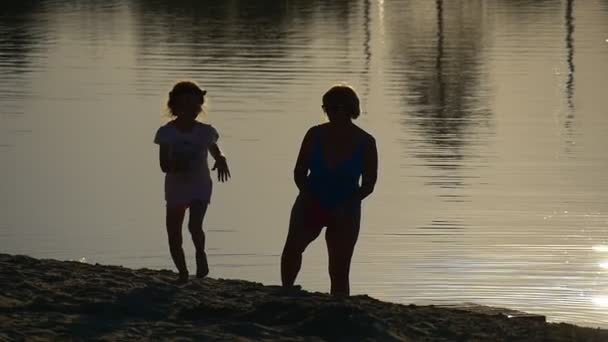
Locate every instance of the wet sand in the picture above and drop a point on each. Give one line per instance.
(59, 300)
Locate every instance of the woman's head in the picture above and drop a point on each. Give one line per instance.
(341, 102)
(186, 100)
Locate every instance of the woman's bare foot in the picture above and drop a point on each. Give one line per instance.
(202, 268)
(290, 290)
(182, 278)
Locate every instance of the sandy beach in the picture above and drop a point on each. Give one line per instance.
(59, 300)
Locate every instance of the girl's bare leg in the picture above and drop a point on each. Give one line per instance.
(195, 226)
(174, 220)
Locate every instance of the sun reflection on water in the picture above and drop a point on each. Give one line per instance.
(600, 248)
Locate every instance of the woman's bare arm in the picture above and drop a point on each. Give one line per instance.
(300, 172)
(370, 169)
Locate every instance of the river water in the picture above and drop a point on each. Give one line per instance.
(490, 118)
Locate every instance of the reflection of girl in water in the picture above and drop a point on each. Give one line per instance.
(333, 157)
(184, 143)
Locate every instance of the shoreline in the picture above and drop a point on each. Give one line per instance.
(51, 299)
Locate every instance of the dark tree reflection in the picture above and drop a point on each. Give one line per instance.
(569, 19)
(444, 89)
(17, 40)
(217, 29)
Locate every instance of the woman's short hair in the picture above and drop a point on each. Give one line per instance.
(342, 96)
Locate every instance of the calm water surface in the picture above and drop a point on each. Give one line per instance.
(490, 117)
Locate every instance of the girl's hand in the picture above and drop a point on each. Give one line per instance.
(223, 173)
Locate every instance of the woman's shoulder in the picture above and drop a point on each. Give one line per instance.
(314, 130)
(364, 136)
(318, 127)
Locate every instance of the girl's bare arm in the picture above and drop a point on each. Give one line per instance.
(221, 164)
(164, 158)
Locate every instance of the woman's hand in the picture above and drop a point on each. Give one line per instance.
(221, 165)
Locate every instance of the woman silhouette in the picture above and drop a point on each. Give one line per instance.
(333, 157)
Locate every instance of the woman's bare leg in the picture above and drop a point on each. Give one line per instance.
(195, 226)
(174, 220)
(298, 238)
(341, 237)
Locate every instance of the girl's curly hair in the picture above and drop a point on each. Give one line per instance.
(184, 87)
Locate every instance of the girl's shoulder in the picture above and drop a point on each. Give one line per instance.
(168, 127)
(205, 127)
(164, 134)
(168, 124)
(207, 132)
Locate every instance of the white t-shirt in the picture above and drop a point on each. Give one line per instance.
(191, 148)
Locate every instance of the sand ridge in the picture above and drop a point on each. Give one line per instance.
(58, 300)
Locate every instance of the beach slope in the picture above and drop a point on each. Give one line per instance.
(49, 299)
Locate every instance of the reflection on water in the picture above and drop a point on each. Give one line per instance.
(17, 44)
(492, 168)
(445, 92)
(570, 58)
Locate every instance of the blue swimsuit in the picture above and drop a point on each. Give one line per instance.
(332, 186)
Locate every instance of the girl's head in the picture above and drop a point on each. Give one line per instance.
(186, 100)
(341, 103)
